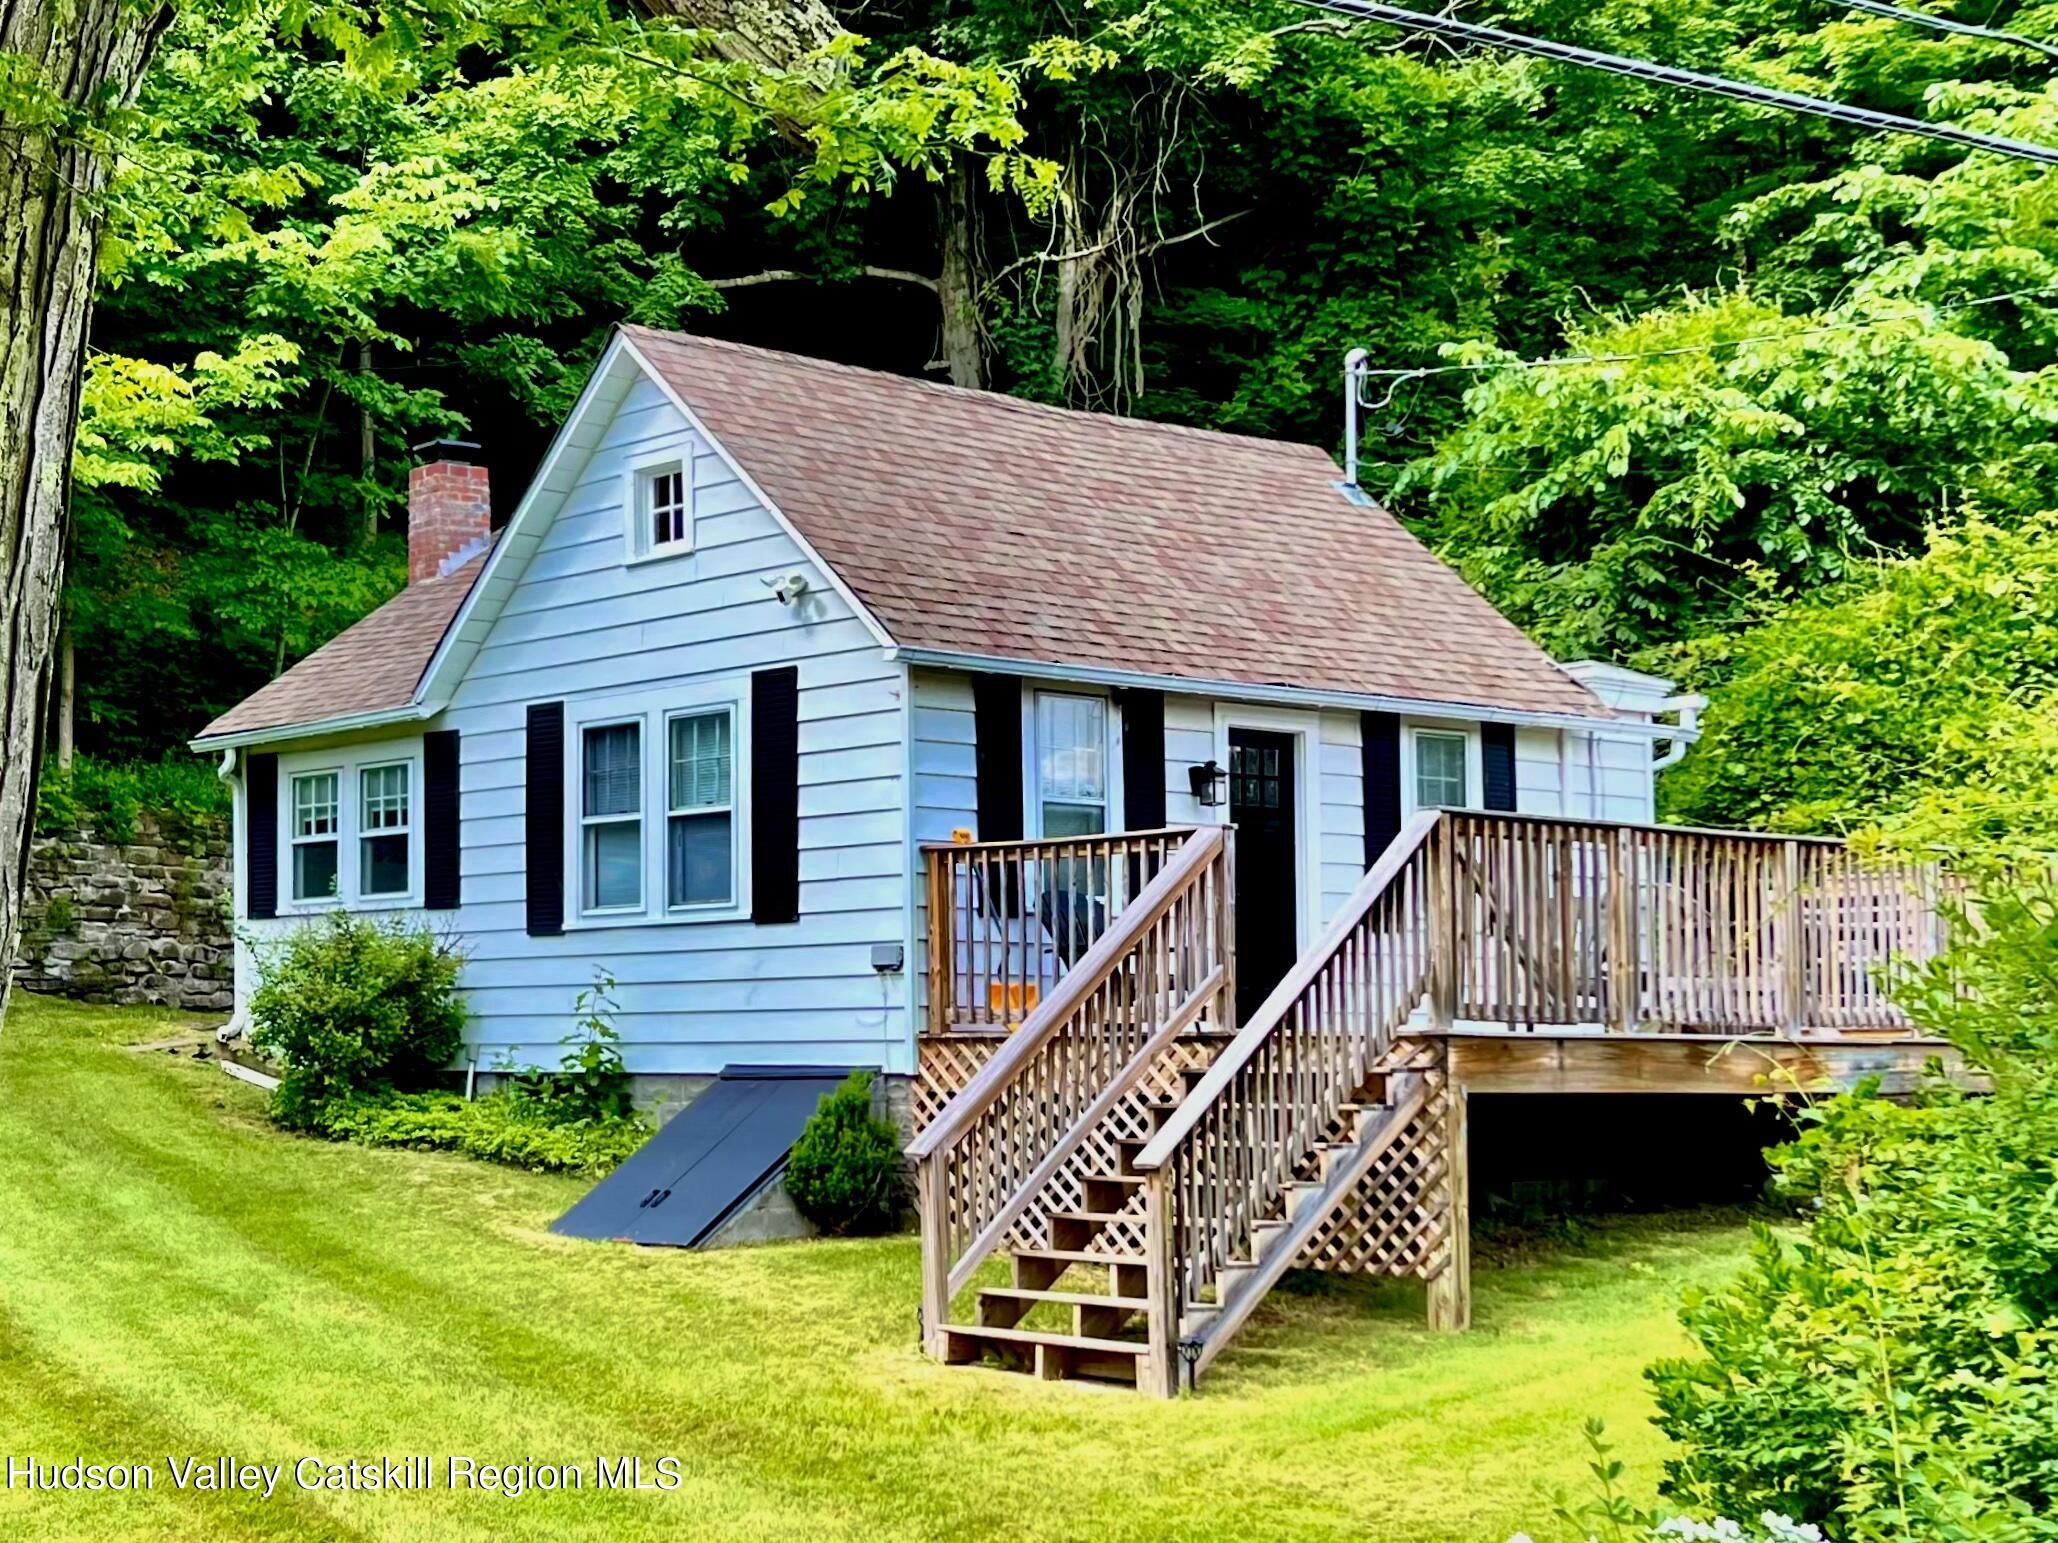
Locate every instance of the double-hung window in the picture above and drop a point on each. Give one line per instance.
(1440, 779)
(611, 816)
(700, 811)
(317, 835)
(1072, 763)
(385, 825)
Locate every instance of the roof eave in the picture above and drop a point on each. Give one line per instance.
(1295, 696)
(342, 723)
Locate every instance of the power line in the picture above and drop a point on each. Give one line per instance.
(1946, 24)
(1452, 28)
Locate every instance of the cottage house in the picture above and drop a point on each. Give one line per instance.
(851, 720)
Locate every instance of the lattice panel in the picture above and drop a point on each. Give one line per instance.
(948, 1062)
(1397, 1220)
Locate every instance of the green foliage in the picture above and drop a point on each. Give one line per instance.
(845, 1174)
(500, 1127)
(186, 797)
(591, 1082)
(1888, 1375)
(354, 1006)
(1918, 697)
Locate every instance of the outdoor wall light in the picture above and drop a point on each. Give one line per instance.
(1210, 784)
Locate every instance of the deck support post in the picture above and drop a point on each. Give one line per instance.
(1158, 1374)
(1450, 1292)
(1793, 971)
(1624, 982)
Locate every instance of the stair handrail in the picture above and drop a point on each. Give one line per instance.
(1168, 953)
(1284, 1081)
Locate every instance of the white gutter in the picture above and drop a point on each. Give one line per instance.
(345, 723)
(1293, 696)
(1684, 732)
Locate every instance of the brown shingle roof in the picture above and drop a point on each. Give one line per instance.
(977, 523)
(370, 666)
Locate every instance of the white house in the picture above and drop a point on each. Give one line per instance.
(763, 626)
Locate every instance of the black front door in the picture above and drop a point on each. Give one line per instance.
(1261, 806)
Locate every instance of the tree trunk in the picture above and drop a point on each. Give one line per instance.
(67, 695)
(367, 456)
(957, 287)
(89, 55)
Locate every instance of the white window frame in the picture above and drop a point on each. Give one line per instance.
(1032, 756)
(290, 879)
(640, 819)
(347, 762)
(1475, 790)
(654, 710)
(672, 811)
(411, 792)
(639, 483)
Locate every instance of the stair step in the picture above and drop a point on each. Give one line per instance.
(1129, 1180)
(1094, 1218)
(1063, 1298)
(1050, 1356)
(1076, 1256)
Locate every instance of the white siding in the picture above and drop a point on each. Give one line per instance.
(1585, 776)
(582, 625)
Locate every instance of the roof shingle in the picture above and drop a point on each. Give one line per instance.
(978, 523)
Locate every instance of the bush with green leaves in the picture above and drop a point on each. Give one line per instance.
(110, 799)
(351, 1005)
(1890, 1375)
(845, 1174)
(500, 1127)
(591, 1081)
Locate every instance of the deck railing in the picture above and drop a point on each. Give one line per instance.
(1225, 1155)
(1544, 921)
(1007, 919)
(1151, 975)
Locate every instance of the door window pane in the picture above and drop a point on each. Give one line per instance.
(1439, 771)
(1071, 763)
(699, 837)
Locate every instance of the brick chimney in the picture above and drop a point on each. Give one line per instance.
(449, 507)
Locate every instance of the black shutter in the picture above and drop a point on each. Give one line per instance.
(997, 723)
(440, 882)
(544, 826)
(1143, 760)
(1379, 755)
(261, 835)
(775, 795)
(1497, 750)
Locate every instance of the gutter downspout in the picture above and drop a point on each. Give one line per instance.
(1689, 710)
(238, 1025)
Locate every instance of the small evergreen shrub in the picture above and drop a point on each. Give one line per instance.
(500, 1127)
(845, 1173)
(354, 1006)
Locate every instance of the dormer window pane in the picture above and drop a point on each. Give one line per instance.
(668, 509)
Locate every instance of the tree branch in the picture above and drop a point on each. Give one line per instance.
(794, 276)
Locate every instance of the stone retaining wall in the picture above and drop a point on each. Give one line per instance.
(145, 921)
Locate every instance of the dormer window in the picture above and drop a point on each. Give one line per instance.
(660, 498)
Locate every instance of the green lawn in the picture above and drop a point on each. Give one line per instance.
(176, 1278)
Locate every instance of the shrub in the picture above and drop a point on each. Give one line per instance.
(1890, 1375)
(110, 798)
(845, 1172)
(501, 1127)
(591, 1082)
(354, 1006)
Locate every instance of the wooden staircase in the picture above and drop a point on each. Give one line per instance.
(1147, 1194)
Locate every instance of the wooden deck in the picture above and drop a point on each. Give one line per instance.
(1108, 1115)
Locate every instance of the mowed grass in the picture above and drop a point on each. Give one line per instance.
(177, 1278)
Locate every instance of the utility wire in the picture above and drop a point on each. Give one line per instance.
(1945, 24)
(1450, 27)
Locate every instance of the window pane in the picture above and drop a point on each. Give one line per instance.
(699, 859)
(1071, 740)
(382, 794)
(701, 762)
(1440, 771)
(382, 865)
(314, 870)
(667, 495)
(614, 865)
(614, 773)
(315, 799)
(1074, 819)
